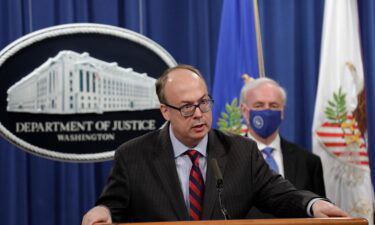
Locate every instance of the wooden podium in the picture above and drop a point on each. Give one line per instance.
(305, 221)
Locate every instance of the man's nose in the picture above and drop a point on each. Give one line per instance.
(198, 112)
(266, 107)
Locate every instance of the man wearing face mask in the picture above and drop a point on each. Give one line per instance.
(262, 106)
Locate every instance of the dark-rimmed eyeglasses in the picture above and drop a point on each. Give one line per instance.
(189, 109)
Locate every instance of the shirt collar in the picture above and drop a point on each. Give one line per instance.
(275, 144)
(179, 148)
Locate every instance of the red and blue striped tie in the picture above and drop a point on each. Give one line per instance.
(196, 187)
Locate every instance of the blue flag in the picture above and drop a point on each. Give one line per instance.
(236, 55)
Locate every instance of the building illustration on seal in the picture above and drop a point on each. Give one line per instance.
(71, 83)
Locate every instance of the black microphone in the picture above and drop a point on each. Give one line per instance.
(219, 187)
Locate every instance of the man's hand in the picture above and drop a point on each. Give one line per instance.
(324, 209)
(98, 214)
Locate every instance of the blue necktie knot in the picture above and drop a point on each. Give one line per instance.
(269, 158)
(268, 151)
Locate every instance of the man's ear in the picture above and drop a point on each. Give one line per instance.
(244, 112)
(164, 111)
(282, 113)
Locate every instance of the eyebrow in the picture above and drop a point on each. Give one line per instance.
(200, 99)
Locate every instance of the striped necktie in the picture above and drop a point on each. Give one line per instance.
(196, 186)
(269, 159)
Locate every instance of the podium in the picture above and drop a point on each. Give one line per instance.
(305, 221)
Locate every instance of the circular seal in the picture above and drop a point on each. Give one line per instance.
(75, 92)
(258, 122)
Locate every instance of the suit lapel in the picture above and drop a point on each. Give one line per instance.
(215, 150)
(289, 160)
(166, 168)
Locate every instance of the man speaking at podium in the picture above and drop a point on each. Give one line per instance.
(168, 174)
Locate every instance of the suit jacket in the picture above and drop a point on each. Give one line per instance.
(302, 168)
(144, 185)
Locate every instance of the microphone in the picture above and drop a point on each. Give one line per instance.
(219, 187)
(217, 173)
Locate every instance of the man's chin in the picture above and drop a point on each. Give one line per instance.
(200, 135)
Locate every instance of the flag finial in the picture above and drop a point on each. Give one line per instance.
(246, 78)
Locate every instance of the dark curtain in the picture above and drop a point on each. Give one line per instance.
(367, 26)
(291, 32)
(34, 190)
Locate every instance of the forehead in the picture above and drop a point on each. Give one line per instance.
(184, 86)
(266, 92)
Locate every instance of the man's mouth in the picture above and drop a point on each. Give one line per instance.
(199, 127)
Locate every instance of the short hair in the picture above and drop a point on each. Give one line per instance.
(162, 80)
(252, 84)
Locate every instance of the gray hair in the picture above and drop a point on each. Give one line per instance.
(252, 84)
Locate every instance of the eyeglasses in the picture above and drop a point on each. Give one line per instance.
(189, 109)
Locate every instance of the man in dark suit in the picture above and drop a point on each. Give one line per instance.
(262, 106)
(167, 174)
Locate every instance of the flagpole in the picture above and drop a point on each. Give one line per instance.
(262, 72)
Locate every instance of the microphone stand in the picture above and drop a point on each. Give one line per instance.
(224, 211)
(219, 188)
